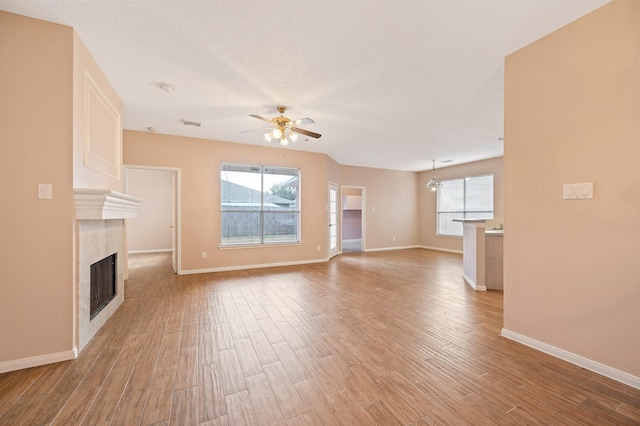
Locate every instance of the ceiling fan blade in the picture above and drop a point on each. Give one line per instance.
(255, 130)
(306, 132)
(268, 120)
(302, 121)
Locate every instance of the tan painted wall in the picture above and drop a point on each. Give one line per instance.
(334, 172)
(151, 230)
(390, 206)
(200, 161)
(427, 199)
(572, 114)
(98, 123)
(347, 190)
(36, 129)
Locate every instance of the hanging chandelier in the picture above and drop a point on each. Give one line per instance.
(434, 183)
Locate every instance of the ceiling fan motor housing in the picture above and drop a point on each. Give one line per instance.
(282, 121)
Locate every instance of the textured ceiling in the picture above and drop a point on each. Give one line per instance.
(390, 84)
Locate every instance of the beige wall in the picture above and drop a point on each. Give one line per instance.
(43, 132)
(97, 125)
(572, 114)
(389, 206)
(200, 160)
(36, 129)
(427, 199)
(334, 171)
(349, 190)
(151, 230)
(390, 196)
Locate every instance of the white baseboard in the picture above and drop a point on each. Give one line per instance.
(38, 360)
(243, 267)
(304, 262)
(149, 251)
(391, 248)
(473, 284)
(440, 249)
(596, 367)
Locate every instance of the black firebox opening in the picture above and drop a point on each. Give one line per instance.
(103, 284)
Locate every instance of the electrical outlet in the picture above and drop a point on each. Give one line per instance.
(394, 238)
(318, 248)
(204, 254)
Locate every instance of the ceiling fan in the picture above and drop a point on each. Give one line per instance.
(283, 128)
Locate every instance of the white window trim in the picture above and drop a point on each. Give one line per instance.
(463, 179)
(261, 243)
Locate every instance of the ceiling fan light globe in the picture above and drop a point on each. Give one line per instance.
(284, 141)
(268, 137)
(293, 137)
(277, 133)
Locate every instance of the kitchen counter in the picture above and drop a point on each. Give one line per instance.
(481, 255)
(473, 264)
(493, 259)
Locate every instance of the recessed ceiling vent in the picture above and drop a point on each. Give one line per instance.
(191, 123)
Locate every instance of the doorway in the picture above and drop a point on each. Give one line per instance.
(157, 227)
(333, 219)
(353, 219)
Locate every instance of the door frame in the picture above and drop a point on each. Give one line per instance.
(338, 248)
(363, 227)
(176, 207)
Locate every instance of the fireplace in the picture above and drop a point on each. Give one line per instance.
(100, 233)
(102, 284)
(98, 240)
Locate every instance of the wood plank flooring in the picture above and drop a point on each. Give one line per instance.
(386, 338)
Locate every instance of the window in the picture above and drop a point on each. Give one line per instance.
(260, 204)
(468, 198)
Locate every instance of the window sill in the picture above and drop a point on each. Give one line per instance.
(255, 246)
(455, 237)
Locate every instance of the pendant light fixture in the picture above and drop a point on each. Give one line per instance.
(434, 183)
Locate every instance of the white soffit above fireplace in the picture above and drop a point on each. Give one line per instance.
(103, 204)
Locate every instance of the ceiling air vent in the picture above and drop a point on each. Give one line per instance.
(191, 123)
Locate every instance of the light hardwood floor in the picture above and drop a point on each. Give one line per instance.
(368, 338)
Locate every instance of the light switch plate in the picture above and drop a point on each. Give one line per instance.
(577, 191)
(45, 191)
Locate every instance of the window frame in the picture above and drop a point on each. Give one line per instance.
(263, 169)
(464, 211)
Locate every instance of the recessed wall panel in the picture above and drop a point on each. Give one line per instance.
(103, 134)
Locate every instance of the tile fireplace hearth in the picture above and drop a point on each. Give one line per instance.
(100, 218)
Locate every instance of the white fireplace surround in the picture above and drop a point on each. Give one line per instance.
(100, 233)
(105, 204)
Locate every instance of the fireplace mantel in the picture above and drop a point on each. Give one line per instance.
(104, 204)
